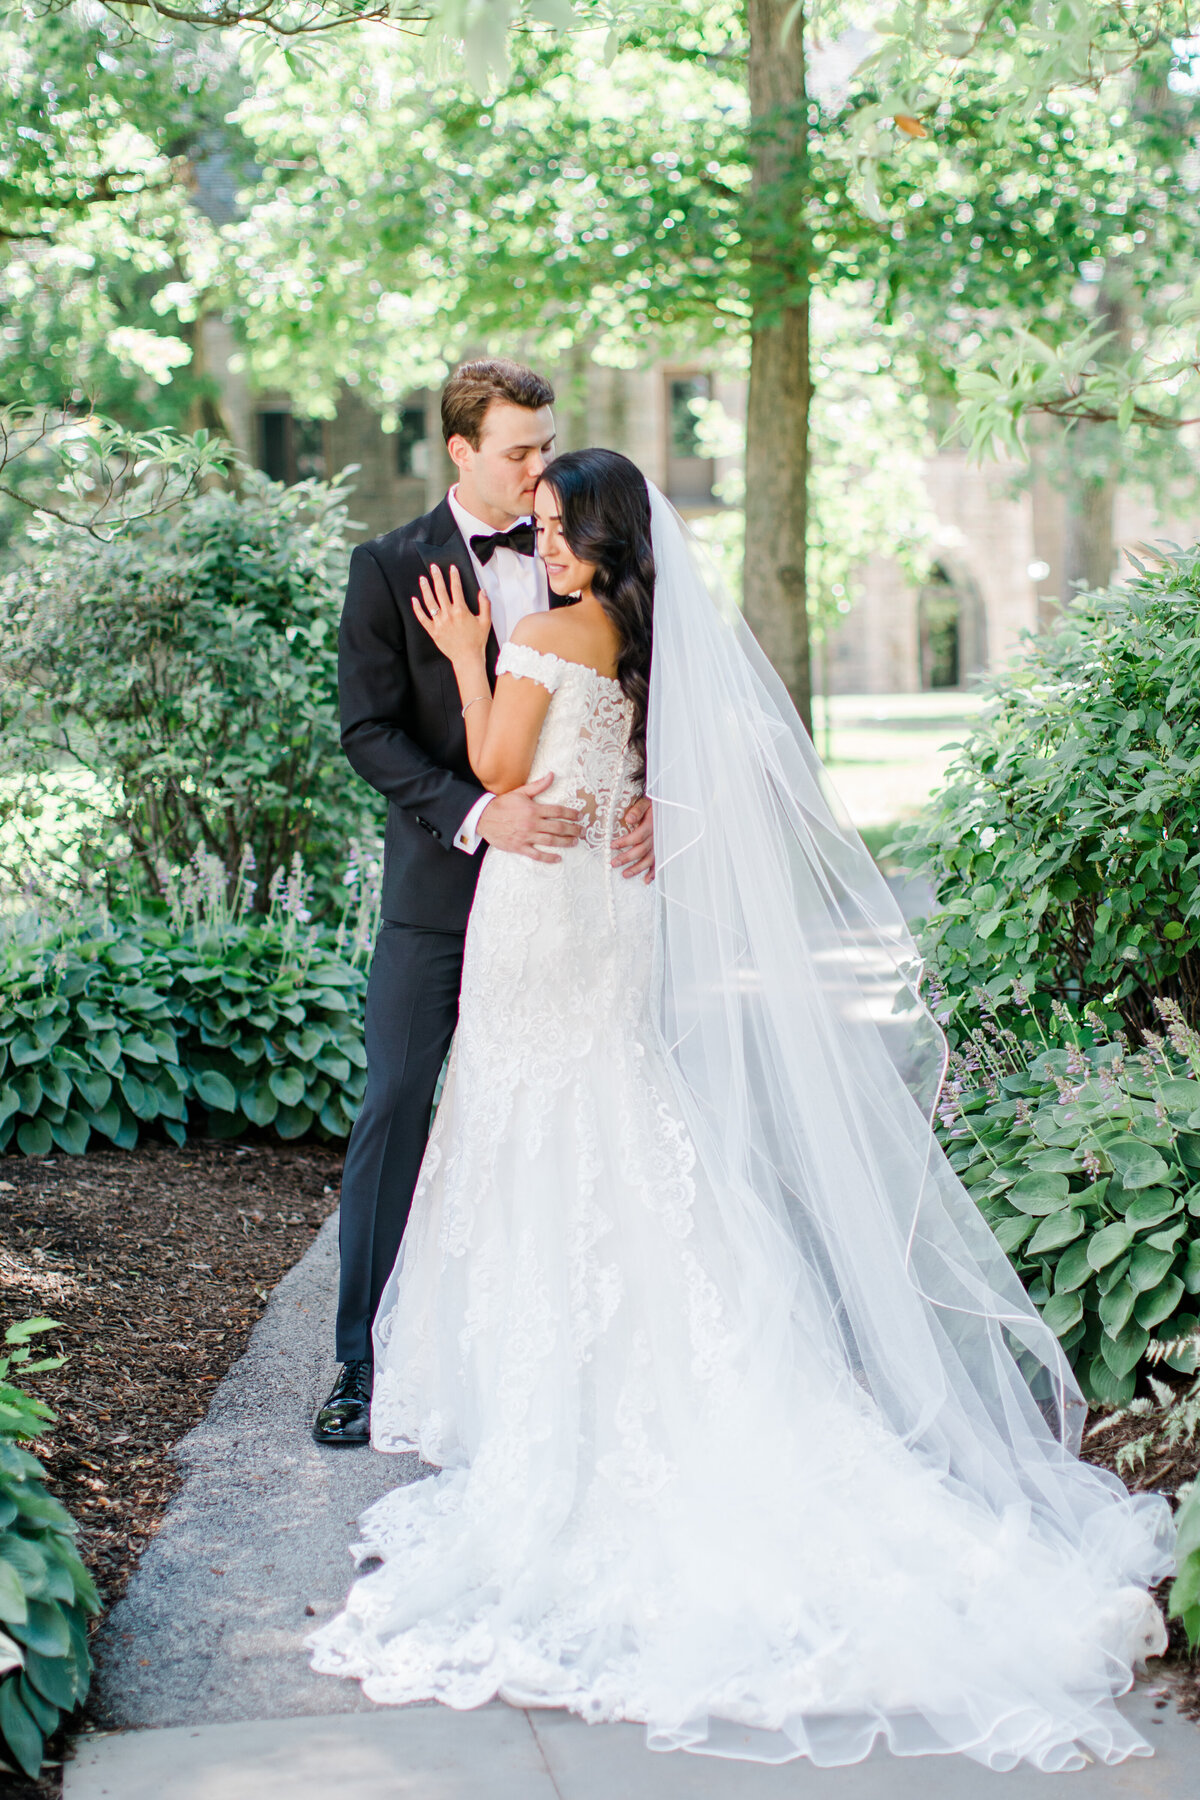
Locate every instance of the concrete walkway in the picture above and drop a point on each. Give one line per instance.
(205, 1692)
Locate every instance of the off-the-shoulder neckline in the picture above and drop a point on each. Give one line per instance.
(566, 661)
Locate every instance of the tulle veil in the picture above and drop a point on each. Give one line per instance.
(787, 1001)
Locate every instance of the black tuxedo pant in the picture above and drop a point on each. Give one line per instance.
(411, 1011)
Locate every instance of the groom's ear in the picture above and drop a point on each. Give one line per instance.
(459, 451)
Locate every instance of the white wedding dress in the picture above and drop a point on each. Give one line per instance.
(663, 1497)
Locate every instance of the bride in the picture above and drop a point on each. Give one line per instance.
(746, 1429)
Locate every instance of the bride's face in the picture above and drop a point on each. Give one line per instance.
(564, 571)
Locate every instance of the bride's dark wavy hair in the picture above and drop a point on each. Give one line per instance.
(604, 505)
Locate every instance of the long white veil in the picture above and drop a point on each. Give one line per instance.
(787, 1001)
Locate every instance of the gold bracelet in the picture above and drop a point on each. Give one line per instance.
(472, 701)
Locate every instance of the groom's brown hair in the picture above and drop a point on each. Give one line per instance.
(473, 387)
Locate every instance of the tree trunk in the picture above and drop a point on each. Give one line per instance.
(780, 381)
(1093, 453)
(1088, 552)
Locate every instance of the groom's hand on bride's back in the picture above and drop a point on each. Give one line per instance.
(633, 850)
(523, 824)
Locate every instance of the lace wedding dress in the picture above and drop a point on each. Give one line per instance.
(661, 1497)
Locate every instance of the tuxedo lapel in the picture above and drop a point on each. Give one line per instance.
(446, 548)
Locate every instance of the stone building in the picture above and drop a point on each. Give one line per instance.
(997, 571)
(998, 552)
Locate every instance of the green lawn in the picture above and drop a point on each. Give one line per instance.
(886, 752)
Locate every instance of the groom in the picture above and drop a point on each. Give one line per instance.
(403, 732)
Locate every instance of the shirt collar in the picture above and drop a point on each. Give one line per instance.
(467, 523)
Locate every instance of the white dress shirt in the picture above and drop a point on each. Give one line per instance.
(516, 586)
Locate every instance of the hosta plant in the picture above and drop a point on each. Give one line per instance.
(46, 1594)
(201, 1014)
(1085, 1161)
(268, 1017)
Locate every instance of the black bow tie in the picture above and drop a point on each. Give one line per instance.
(521, 538)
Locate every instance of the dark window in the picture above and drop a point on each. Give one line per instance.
(308, 449)
(412, 445)
(689, 472)
(291, 449)
(274, 432)
(938, 613)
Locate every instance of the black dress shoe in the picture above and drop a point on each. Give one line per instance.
(345, 1417)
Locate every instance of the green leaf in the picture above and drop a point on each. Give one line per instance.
(1055, 1231)
(1148, 1266)
(1124, 1352)
(93, 1088)
(1010, 1232)
(107, 1050)
(1107, 1388)
(34, 1137)
(1062, 1311)
(287, 1085)
(107, 1120)
(55, 1678)
(1180, 1096)
(1159, 1303)
(1061, 1160)
(1138, 1164)
(335, 1121)
(1073, 1268)
(44, 1509)
(72, 1135)
(334, 975)
(22, 1467)
(44, 1716)
(1116, 1308)
(19, 1729)
(45, 1629)
(1151, 1206)
(215, 1090)
(1039, 1193)
(58, 1550)
(96, 1018)
(293, 1121)
(13, 1605)
(1106, 1245)
(25, 1049)
(259, 1104)
(139, 1096)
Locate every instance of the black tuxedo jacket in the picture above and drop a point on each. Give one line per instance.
(401, 716)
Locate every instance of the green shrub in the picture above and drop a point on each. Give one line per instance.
(200, 1013)
(1085, 1161)
(45, 1591)
(175, 691)
(1184, 1601)
(1063, 850)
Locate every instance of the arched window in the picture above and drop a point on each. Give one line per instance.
(938, 614)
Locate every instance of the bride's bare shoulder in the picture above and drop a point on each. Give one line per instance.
(579, 634)
(542, 631)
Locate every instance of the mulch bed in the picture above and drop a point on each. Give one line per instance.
(157, 1263)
